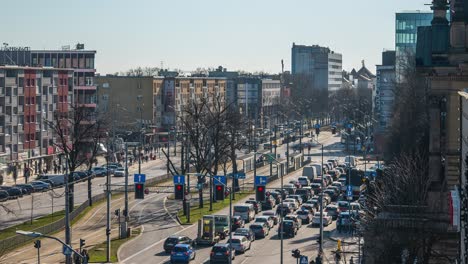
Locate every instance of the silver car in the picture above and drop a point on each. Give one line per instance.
(240, 243)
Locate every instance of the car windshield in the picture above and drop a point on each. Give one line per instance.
(303, 212)
(343, 204)
(241, 232)
(180, 249)
(172, 240)
(287, 223)
(234, 241)
(331, 209)
(241, 209)
(255, 227)
(260, 220)
(219, 249)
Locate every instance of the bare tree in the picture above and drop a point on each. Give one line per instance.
(78, 133)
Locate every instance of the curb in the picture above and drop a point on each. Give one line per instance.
(131, 240)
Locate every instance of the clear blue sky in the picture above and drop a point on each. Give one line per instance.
(252, 35)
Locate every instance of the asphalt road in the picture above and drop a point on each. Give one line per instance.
(52, 201)
(160, 223)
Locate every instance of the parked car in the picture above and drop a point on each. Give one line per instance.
(294, 218)
(265, 219)
(171, 241)
(182, 253)
(99, 171)
(3, 196)
(13, 192)
(40, 186)
(240, 243)
(220, 253)
(119, 172)
(111, 168)
(80, 175)
(247, 232)
(273, 215)
(27, 188)
(326, 219)
(288, 228)
(305, 216)
(257, 205)
(237, 222)
(332, 210)
(260, 229)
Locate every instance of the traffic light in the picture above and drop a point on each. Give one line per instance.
(296, 253)
(260, 193)
(179, 191)
(219, 194)
(37, 244)
(139, 191)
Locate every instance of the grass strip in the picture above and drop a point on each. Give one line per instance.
(97, 254)
(197, 213)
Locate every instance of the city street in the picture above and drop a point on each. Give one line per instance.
(149, 245)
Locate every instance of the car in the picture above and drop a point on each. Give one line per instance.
(276, 196)
(27, 188)
(333, 195)
(283, 209)
(337, 184)
(248, 233)
(333, 161)
(99, 171)
(326, 219)
(237, 222)
(305, 193)
(308, 206)
(287, 228)
(240, 243)
(182, 253)
(265, 219)
(344, 222)
(171, 241)
(282, 193)
(295, 183)
(332, 210)
(318, 180)
(317, 187)
(297, 197)
(257, 205)
(80, 175)
(111, 168)
(273, 215)
(290, 188)
(328, 179)
(13, 192)
(343, 206)
(40, 186)
(260, 230)
(3, 196)
(305, 216)
(334, 173)
(293, 202)
(303, 181)
(269, 203)
(294, 218)
(119, 172)
(220, 252)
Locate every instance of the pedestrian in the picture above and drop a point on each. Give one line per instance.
(351, 261)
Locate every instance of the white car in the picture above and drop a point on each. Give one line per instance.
(293, 201)
(119, 172)
(303, 181)
(326, 219)
(240, 243)
(265, 219)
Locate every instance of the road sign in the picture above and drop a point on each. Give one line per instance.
(261, 180)
(239, 175)
(179, 179)
(66, 250)
(349, 191)
(304, 260)
(139, 178)
(219, 179)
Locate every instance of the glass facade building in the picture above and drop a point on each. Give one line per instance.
(406, 29)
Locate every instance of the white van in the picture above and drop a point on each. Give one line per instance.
(318, 168)
(310, 172)
(245, 211)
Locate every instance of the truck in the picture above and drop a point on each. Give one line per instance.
(221, 225)
(206, 231)
(355, 180)
(310, 172)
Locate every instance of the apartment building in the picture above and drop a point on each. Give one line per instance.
(28, 97)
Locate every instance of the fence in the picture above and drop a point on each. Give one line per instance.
(18, 240)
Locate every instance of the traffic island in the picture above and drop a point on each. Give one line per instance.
(197, 213)
(97, 254)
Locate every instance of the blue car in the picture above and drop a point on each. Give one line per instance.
(182, 253)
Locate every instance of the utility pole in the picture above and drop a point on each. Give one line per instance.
(255, 151)
(141, 143)
(68, 259)
(126, 185)
(321, 207)
(108, 225)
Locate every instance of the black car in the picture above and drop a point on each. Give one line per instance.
(174, 240)
(80, 175)
(269, 203)
(220, 253)
(25, 187)
(305, 193)
(248, 233)
(290, 228)
(237, 222)
(283, 209)
(3, 196)
(257, 205)
(283, 193)
(276, 196)
(13, 192)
